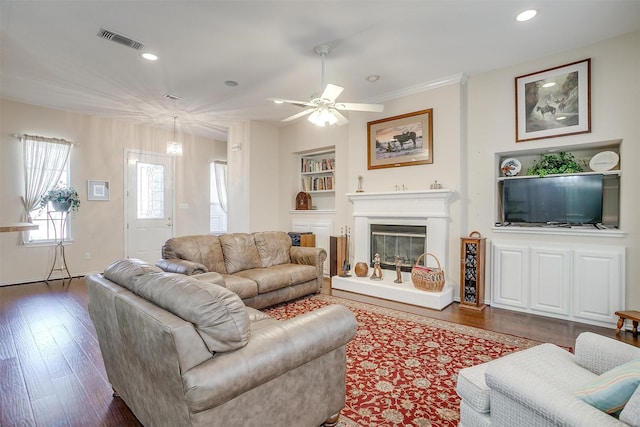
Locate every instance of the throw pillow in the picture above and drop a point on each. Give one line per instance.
(612, 390)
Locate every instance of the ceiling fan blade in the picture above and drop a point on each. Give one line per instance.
(331, 92)
(374, 108)
(342, 120)
(291, 101)
(298, 115)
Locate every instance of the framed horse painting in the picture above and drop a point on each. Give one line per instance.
(404, 140)
(554, 102)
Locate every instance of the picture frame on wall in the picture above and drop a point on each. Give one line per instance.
(97, 190)
(404, 140)
(554, 102)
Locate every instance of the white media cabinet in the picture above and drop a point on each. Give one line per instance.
(576, 282)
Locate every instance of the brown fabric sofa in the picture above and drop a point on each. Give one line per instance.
(263, 268)
(181, 352)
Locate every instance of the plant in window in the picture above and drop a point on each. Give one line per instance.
(550, 164)
(62, 198)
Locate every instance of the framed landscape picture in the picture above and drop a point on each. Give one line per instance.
(404, 140)
(554, 102)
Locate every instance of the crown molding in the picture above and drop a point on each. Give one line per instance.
(460, 78)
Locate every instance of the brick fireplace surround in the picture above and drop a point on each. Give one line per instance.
(428, 208)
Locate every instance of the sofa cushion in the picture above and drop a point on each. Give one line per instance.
(240, 252)
(279, 276)
(273, 247)
(201, 249)
(472, 388)
(218, 314)
(241, 286)
(611, 390)
(126, 272)
(297, 273)
(267, 279)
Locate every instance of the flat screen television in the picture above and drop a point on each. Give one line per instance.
(571, 199)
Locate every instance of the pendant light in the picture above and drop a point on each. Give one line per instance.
(174, 148)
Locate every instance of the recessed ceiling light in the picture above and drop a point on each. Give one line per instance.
(149, 56)
(373, 78)
(231, 83)
(526, 15)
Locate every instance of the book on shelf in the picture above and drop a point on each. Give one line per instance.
(315, 165)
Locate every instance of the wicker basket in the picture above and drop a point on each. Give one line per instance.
(427, 278)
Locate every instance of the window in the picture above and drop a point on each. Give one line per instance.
(218, 197)
(50, 228)
(45, 165)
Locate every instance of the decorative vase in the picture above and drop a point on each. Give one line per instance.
(361, 269)
(61, 205)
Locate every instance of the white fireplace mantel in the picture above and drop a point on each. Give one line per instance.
(428, 208)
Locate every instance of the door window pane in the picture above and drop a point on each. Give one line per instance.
(150, 203)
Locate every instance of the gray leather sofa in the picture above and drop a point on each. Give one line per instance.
(181, 351)
(263, 268)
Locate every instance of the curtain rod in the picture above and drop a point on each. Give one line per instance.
(46, 138)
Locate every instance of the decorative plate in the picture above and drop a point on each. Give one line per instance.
(510, 167)
(604, 161)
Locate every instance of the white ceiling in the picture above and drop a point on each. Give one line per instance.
(52, 57)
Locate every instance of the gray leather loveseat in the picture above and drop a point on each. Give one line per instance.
(263, 268)
(182, 352)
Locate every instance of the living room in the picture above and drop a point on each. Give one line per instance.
(474, 123)
(467, 138)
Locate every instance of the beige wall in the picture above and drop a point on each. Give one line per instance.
(473, 121)
(98, 228)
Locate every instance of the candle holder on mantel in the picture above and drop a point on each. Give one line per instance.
(472, 254)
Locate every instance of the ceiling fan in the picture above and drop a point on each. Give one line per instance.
(324, 109)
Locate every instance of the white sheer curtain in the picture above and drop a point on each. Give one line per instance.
(221, 183)
(44, 160)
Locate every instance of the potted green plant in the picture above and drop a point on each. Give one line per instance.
(63, 198)
(550, 164)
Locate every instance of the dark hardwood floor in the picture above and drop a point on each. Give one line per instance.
(51, 370)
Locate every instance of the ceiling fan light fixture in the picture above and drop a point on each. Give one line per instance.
(323, 116)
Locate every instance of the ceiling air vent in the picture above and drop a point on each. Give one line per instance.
(119, 38)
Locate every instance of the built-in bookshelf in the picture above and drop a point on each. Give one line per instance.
(317, 172)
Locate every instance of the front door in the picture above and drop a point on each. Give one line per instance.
(148, 205)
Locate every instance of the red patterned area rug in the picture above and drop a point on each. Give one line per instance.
(401, 367)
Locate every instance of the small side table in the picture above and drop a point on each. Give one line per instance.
(632, 315)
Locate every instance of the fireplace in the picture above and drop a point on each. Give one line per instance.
(407, 242)
(406, 214)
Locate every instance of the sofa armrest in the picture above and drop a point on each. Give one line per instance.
(599, 354)
(270, 353)
(307, 255)
(181, 266)
(523, 389)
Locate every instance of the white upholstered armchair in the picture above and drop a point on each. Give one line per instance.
(545, 386)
